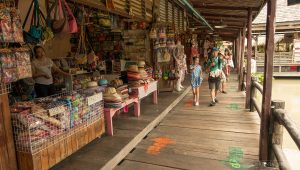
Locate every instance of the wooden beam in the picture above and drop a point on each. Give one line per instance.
(249, 56)
(268, 76)
(205, 14)
(205, 6)
(225, 19)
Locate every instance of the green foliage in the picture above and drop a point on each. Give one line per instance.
(260, 77)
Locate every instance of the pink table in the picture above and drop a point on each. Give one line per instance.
(143, 91)
(110, 112)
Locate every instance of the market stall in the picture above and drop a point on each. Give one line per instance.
(95, 60)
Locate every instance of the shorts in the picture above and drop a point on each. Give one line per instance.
(214, 83)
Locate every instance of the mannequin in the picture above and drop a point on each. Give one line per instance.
(179, 57)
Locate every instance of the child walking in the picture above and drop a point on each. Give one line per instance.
(196, 79)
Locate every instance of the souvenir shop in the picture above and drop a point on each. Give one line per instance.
(104, 57)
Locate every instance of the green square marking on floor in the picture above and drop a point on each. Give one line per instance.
(236, 154)
(233, 106)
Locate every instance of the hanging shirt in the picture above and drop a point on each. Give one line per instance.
(43, 67)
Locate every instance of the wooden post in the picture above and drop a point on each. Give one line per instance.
(242, 50)
(253, 91)
(234, 53)
(7, 146)
(276, 131)
(256, 44)
(268, 76)
(249, 56)
(238, 54)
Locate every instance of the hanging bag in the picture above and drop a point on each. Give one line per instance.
(28, 37)
(153, 33)
(71, 18)
(47, 31)
(35, 29)
(104, 20)
(56, 17)
(17, 25)
(81, 54)
(5, 24)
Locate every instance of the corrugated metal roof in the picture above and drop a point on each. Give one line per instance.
(284, 13)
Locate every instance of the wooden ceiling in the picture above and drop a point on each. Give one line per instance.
(233, 13)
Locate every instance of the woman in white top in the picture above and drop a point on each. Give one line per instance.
(228, 62)
(42, 68)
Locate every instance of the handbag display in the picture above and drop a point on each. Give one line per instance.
(34, 34)
(36, 29)
(16, 26)
(104, 19)
(72, 20)
(5, 25)
(153, 33)
(56, 16)
(163, 57)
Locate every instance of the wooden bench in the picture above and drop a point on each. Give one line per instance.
(110, 112)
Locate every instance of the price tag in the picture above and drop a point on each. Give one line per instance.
(56, 110)
(94, 99)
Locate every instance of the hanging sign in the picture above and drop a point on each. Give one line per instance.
(293, 2)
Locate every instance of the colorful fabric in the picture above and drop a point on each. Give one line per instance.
(196, 79)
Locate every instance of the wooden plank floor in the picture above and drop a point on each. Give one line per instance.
(200, 137)
(108, 151)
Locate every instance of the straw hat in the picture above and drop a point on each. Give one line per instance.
(143, 73)
(110, 91)
(92, 84)
(133, 68)
(111, 94)
(116, 83)
(141, 64)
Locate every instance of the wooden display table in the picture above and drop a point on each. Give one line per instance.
(143, 91)
(110, 112)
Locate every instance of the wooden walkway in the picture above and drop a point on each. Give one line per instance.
(201, 137)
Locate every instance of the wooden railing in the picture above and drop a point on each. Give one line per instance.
(244, 76)
(279, 58)
(255, 86)
(278, 119)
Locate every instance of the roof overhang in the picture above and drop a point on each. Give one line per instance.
(233, 14)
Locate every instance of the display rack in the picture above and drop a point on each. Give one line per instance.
(67, 121)
(135, 47)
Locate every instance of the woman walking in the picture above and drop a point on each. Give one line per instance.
(196, 79)
(228, 62)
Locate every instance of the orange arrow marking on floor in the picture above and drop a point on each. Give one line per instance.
(158, 144)
(188, 103)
